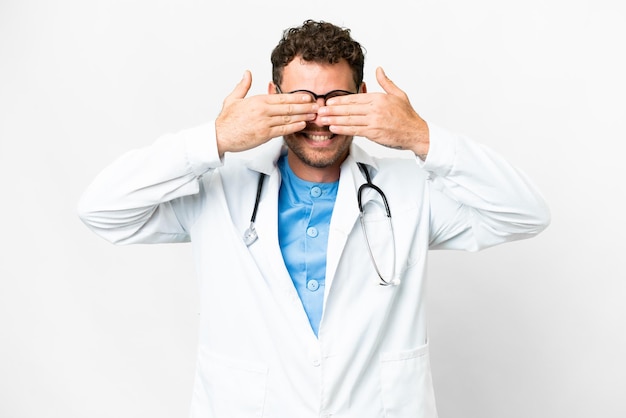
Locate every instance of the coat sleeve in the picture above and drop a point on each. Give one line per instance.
(477, 199)
(151, 195)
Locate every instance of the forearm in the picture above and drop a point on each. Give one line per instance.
(131, 200)
(499, 201)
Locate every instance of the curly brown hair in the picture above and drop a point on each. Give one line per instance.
(320, 42)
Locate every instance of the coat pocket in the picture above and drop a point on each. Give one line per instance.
(406, 384)
(234, 388)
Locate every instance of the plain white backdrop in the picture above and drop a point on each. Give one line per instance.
(535, 328)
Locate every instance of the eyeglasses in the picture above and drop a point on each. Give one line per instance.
(316, 97)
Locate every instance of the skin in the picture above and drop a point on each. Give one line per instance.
(318, 136)
(316, 153)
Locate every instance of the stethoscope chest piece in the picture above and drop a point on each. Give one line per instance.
(250, 235)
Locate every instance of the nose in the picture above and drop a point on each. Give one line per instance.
(316, 122)
(321, 101)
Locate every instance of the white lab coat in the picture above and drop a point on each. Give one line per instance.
(257, 354)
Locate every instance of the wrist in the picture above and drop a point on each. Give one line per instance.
(422, 141)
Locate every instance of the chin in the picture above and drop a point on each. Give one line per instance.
(318, 151)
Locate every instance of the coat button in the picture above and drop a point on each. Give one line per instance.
(314, 357)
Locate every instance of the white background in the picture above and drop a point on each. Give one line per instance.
(531, 329)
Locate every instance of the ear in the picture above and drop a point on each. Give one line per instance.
(363, 88)
(271, 88)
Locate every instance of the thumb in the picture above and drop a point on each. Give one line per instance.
(242, 88)
(387, 84)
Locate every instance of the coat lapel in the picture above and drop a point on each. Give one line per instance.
(266, 250)
(346, 210)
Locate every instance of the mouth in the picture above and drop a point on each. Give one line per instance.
(317, 138)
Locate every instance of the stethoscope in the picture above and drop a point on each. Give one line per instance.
(250, 235)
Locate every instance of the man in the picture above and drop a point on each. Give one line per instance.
(312, 285)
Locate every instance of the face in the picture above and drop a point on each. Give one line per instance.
(315, 153)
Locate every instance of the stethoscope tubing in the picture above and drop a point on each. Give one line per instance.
(250, 235)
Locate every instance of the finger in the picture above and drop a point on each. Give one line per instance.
(388, 85)
(348, 99)
(290, 109)
(345, 121)
(286, 129)
(348, 130)
(242, 88)
(290, 98)
(284, 119)
(350, 103)
(345, 110)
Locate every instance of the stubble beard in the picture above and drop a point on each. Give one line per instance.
(317, 158)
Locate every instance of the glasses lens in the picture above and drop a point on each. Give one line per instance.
(337, 93)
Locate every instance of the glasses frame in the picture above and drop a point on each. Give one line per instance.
(329, 95)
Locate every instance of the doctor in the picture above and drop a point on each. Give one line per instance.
(311, 254)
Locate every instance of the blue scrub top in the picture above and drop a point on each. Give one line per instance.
(304, 212)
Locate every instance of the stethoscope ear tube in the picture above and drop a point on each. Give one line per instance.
(379, 191)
